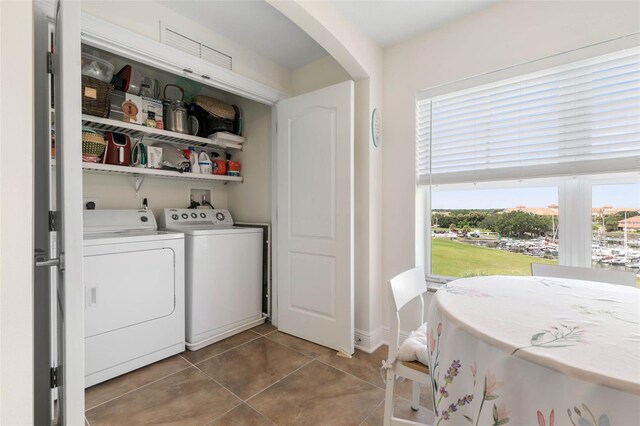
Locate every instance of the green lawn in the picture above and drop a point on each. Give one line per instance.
(454, 259)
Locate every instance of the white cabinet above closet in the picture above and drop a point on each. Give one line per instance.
(115, 39)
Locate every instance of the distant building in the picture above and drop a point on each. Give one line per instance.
(607, 210)
(632, 223)
(541, 211)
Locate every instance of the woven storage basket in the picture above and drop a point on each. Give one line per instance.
(96, 96)
(215, 107)
(93, 144)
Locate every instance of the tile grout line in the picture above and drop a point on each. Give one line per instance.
(258, 335)
(362, 380)
(272, 331)
(278, 381)
(138, 388)
(372, 384)
(371, 412)
(263, 416)
(220, 384)
(228, 411)
(329, 365)
(230, 349)
(289, 347)
(242, 403)
(349, 374)
(271, 385)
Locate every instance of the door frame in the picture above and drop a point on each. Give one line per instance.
(274, 215)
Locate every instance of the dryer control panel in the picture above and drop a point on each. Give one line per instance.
(172, 218)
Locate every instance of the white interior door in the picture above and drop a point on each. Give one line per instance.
(70, 291)
(315, 216)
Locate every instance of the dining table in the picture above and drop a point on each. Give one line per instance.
(534, 351)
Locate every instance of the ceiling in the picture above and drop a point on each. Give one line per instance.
(256, 25)
(391, 21)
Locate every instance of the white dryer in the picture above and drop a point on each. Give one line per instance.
(223, 274)
(134, 292)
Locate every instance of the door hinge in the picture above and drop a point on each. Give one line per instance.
(55, 376)
(52, 221)
(50, 63)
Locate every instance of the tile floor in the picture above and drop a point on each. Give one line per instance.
(258, 377)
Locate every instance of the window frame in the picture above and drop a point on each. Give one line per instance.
(574, 201)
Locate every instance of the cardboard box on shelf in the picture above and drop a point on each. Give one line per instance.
(152, 110)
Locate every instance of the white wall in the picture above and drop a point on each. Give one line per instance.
(509, 33)
(251, 200)
(144, 17)
(116, 191)
(320, 73)
(16, 213)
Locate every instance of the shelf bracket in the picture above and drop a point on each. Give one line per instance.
(137, 184)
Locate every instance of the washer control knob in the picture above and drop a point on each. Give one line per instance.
(174, 216)
(203, 215)
(185, 216)
(193, 215)
(144, 218)
(220, 216)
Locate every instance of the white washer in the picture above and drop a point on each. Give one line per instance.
(223, 274)
(134, 292)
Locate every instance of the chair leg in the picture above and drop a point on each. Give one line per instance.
(388, 397)
(415, 396)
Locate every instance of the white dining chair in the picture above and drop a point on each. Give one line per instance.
(580, 273)
(403, 289)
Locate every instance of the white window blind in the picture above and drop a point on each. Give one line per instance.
(580, 118)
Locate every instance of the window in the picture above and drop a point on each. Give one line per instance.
(507, 167)
(615, 212)
(492, 231)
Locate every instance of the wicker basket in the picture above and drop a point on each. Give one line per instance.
(96, 96)
(215, 107)
(93, 144)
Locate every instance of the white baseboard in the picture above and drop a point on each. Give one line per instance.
(386, 335)
(368, 341)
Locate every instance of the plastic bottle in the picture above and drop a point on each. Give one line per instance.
(193, 160)
(233, 167)
(204, 162)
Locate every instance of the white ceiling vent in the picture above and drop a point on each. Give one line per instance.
(193, 47)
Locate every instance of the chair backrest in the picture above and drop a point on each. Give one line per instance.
(403, 288)
(580, 273)
(407, 286)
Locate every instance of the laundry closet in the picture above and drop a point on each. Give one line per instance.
(158, 232)
(198, 159)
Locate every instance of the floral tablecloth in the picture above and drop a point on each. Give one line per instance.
(535, 351)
